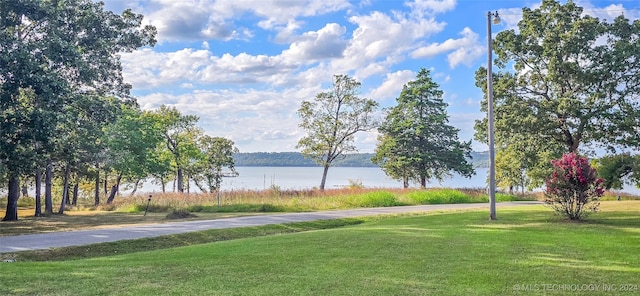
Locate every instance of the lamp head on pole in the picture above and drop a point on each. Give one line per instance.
(496, 18)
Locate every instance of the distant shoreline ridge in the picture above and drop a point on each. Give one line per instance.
(296, 159)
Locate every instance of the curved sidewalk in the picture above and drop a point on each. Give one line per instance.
(93, 236)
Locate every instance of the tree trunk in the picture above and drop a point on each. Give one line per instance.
(106, 177)
(188, 187)
(164, 187)
(180, 185)
(75, 195)
(324, 176)
(118, 183)
(48, 201)
(202, 188)
(25, 190)
(135, 187)
(423, 182)
(96, 197)
(65, 189)
(112, 195)
(12, 198)
(405, 182)
(38, 177)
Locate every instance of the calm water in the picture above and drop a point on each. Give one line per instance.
(338, 177)
(259, 178)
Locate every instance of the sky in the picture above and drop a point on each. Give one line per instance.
(244, 66)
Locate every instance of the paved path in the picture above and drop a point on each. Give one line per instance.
(93, 236)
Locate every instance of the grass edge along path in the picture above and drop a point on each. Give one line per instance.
(528, 251)
(173, 240)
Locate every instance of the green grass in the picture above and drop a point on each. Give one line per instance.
(451, 253)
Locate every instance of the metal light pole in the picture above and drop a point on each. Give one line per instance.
(492, 152)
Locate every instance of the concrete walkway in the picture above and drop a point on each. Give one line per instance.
(94, 236)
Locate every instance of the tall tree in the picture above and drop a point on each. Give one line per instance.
(416, 141)
(180, 136)
(332, 120)
(569, 79)
(55, 49)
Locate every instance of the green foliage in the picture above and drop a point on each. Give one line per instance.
(131, 143)
(575, 82)
(573, 190)
(180, 135)
(217, 154)
(332, 120)
(374, 199)
(616, 170)
(416, 142)
(441, 196)
(62, 67)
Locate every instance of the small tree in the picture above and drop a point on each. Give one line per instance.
(332, 120)
(574, 188)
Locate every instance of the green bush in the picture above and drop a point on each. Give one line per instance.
(440, 196)
(374, 199)
(27, 201)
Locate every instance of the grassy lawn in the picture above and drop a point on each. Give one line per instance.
(449, 253)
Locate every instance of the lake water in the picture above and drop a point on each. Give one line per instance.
(337, 177)
(259, 178)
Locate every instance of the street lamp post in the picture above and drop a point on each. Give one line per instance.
(492, 152)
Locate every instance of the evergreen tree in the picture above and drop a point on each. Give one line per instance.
(416, 142)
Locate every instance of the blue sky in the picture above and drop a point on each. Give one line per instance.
(244, 66)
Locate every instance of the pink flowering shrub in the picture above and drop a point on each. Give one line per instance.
(573, 190)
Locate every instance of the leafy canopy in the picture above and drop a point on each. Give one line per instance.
(566, 82)
(332, 120)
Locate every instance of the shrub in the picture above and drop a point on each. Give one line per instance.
(355, 184)
(573, 190)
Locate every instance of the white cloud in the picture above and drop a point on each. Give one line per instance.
(392, 85)
(281, 11)
(244, 116)
(609, 12)
(251, 96)
(190, 20)
(314, 45)
(381, 40)
(430, 7)
(465, 49)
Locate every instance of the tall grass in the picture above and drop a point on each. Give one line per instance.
(284, 200)
(440, 196)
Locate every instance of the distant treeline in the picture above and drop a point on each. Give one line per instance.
(295, 159)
